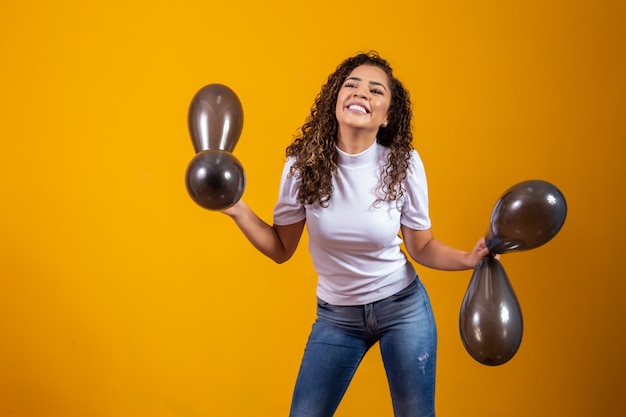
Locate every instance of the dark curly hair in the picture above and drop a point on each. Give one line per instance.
(314, 147)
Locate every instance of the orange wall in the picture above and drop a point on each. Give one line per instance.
(120, 297)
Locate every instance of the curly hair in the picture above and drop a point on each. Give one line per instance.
(314, 146)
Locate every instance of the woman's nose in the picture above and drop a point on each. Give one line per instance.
(361, 94)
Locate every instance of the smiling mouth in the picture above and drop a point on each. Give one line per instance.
(358, 108)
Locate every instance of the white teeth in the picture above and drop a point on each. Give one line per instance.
(358, 108)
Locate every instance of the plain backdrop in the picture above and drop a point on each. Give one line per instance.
(121, 297)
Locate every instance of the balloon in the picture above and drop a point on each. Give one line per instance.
(215, 179)
(526, 216)
(215, 118)
(491, 318)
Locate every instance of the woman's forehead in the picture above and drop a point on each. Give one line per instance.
(369, 73)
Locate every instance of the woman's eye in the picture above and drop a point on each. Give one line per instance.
(376, 91)
(350, 85)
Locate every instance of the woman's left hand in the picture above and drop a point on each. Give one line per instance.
(480, 251)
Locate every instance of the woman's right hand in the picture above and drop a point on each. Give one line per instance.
(234, 209)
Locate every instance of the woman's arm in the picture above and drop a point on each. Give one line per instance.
(430, 252)
(276, 242)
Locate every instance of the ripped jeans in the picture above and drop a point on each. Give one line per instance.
(404, 326)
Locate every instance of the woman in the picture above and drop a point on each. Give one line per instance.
(353, 177)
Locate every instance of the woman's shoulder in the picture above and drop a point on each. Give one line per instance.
(416, 165)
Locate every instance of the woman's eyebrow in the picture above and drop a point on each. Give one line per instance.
(371, 82)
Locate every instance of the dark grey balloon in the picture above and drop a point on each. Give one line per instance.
(526, 216)
(215, 118)
(491, 321)
(215, 179)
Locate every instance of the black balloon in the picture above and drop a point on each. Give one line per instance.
(215, 118)
(526, 216)
(215, 179)
(490, 322)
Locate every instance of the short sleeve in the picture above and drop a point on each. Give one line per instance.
(288, 210)
(415, 199)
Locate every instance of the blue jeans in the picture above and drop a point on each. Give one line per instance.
(341, 335)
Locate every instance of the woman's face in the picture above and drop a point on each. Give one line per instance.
(364, 99)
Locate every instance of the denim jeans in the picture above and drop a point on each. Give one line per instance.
(404, 326)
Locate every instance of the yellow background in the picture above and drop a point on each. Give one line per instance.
(120, 297)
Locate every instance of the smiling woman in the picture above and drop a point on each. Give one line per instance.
(353, 177)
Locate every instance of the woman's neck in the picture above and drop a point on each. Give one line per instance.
(355, 141)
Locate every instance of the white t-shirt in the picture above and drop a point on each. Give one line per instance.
(354, 243)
